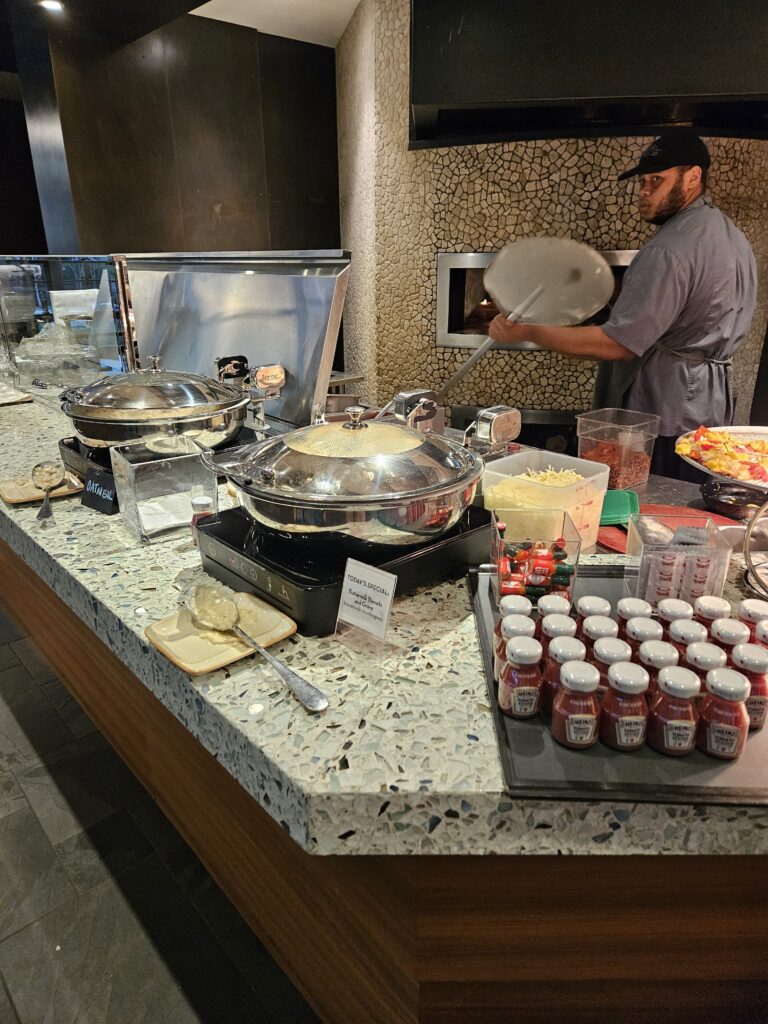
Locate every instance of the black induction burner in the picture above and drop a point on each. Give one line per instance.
(306, 582)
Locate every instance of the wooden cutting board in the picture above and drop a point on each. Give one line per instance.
(195, 650)
(22, 491)
(614, 538)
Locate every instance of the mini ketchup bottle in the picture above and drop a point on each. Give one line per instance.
(673, 718)
(631, 608)
(550, 604)
(575, 711)
(639, 630)
(752, 661)
(703, 658)
(751, 611)
(624, 712)
(670, 609)
(561, 650)
(684, 632)
(655, 655)
(727, 633)
(597, 627)
(708, 608)
(514, 604)
(520, 683)
(761, 633)
(553, 626)
(509, 627)
(606, 652)
(590, 605)
(723, 719)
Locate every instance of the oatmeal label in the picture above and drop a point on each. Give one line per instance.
(631, 730)
(756, 708)
(679, 735)
(723, 739)
(525, 701)
(581, 729)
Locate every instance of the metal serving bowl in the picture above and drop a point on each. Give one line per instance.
(140, 406)
(366, 482)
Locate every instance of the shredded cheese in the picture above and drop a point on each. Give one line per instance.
(551, 477)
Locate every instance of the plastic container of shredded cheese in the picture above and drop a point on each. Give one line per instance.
(506, 484)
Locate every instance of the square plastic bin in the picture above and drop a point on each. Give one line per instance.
(505, 487)
(622, 440)
(675, 556)
(538, 553)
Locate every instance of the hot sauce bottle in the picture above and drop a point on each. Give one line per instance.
(673, 717)
(702, 658)
(684, 632)
(654, 655)
(597, 627)
(575, 712)
(561, 650)
(631, 608)
(606, 652)
(553, 626)
(640, 629)
(708, 608)
(726, 633)
(752, 661)
(624, 712)
(751, 611)
(510, 626)
(671, 609)
(589, 605)
(723, 719)
(520, 683)
(550, 604)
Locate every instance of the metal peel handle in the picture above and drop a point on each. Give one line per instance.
(307, 694)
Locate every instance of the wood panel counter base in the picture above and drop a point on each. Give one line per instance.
(436, 940)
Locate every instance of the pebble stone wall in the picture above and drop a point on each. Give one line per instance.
(400, 208)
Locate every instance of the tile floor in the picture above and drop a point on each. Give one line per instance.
(106, 915)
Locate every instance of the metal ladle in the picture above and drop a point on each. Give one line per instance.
(313, 699)
(46, 476)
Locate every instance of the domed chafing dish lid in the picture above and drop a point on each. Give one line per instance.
(152, 394)
(357, 461)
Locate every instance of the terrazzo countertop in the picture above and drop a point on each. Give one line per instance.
(405, 759)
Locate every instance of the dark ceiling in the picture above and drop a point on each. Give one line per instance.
(111, 21)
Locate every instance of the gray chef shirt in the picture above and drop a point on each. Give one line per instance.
(687, 299)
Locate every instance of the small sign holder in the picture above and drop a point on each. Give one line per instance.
(100, 492)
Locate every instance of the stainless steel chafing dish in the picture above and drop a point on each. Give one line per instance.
(142, 405)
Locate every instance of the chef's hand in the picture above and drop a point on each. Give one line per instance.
(503, 330)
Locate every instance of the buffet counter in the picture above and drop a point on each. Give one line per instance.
(404, 762)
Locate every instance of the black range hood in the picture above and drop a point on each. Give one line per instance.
(491, 70)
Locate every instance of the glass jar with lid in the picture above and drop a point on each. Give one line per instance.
(670, 609)
(640, 629)
(550, 604)
(727, 633)
(654, 655)
(751, 611)
(752, 661)
(587, 606)
(624, 712)
(703, 658)
(708, 608)
(576, 712)
(510, 605)
(684, 632)
(510, 626)
(631, 608)
(673, 718)
(761, 633)
(562, 649)
(723, 719)
(608, 651)
(520, 684)
(594, 628)
(553, 626)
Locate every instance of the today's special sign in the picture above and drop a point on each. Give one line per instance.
(366, 598)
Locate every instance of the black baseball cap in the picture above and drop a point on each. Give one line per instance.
(678, 147)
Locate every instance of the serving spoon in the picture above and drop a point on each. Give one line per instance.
(226, 620)
(46, 476)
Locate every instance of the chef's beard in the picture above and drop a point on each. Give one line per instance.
(672, 204)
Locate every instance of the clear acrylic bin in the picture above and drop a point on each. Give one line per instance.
(661, 566)
(583, 500)
(534, 542)
(621, 439)
(156, 484)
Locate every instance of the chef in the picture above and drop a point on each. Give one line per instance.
(685, 306)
